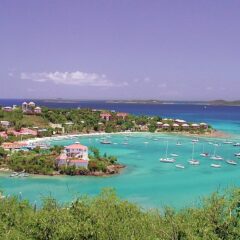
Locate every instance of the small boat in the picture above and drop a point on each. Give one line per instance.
(180, 166)
(125, 143)
(227, 142)
(204, 154)
(216, 157)
(236, 144)
(14, 174)
(105, 142)
(174, 155)
(167, 160)
(145, 142)
(231, 162)
(178, 144)
(215, 165)
(194, 162)
(195, 140)
(237, 154)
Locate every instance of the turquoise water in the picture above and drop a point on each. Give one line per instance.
(145, 180)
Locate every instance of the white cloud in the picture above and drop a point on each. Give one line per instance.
(72, 78)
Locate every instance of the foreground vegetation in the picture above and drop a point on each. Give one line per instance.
(107, 217)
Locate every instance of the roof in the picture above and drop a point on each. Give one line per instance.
(194, 125)
(105, 114)
(78, 161)
(37, 108)
(185, 125)
(122, 114)
(203, 124)
(77, 146)
(166, 125)
(175, 125)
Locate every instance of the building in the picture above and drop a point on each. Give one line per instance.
(8, 146)
(28, 131)
(77, 150)
(165, 126)
(159, 124)
(3, 135)
(105, 116)
(74, 155)
(195, 126)
(203, 125)
(7, 109)
(30, 108)
(5, 124)
(122, 115)
(37, 110)
(185, 126)
(175, 126)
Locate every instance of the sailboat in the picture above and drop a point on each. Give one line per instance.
(180, 166)
(193, 161)
(204, 154)
(216, 157)
(166, 159)
(215, 165)
(231, 162)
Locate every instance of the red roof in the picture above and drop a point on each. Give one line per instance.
(76, 146)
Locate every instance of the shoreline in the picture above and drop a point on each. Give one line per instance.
(213, 134)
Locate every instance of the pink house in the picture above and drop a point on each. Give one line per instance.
(122, 115)
(13, 132)
(27, 131)
(77, 150)
(3, 135)
(78, 163)
(105, 116)
(62, 159)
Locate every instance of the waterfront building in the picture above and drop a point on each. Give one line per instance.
(105, 116)
(122, 115)
(74, 155)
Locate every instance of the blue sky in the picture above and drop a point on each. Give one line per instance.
(172, 50)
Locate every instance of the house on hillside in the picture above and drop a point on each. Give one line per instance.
(122, 115)
(30, 108)
(105, 116)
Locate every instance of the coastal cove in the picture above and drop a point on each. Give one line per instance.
(145, 180)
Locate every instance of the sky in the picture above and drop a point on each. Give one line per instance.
(128, 49)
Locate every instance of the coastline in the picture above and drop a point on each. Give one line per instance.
(213, 134)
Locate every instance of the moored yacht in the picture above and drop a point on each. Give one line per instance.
(231, 162)
(180, 166)
(193, 161)
(215, 165)
(167, 159)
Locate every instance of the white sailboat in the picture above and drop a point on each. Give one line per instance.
(216, 157)
(180, 166)
(204, 154)
(167, 159)
(193, 161)
(215, 165)
(231, 162)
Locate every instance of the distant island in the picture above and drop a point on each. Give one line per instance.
(152, 101)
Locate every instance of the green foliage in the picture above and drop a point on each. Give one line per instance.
(107, 217)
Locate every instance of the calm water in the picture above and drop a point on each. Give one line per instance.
(146, 181)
